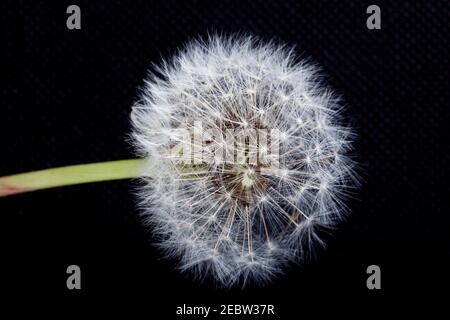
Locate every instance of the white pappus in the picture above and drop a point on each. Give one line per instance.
(285, 167)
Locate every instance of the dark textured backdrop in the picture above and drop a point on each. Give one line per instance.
(66, 97)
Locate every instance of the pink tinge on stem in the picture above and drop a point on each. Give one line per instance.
(6, 190)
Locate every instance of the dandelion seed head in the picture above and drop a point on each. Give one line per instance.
(244, 218)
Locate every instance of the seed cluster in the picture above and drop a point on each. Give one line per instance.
(244, 218)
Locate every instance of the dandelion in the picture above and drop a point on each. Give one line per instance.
(241, 220)
(244, 158)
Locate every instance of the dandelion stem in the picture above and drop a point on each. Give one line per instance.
(70, 175)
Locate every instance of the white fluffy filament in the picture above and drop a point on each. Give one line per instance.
(244, 215)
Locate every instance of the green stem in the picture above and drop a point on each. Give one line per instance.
(70, 175)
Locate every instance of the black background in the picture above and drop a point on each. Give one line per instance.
(66, 98)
